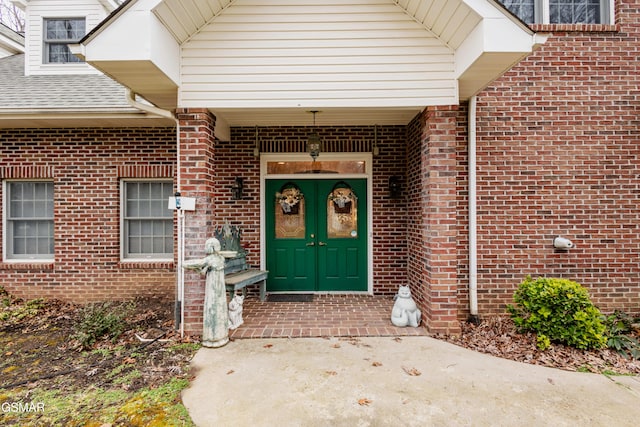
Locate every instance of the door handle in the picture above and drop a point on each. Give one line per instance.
(311, 244)
(322, 244)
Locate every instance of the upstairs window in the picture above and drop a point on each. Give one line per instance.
(58, 33)
(560, 11)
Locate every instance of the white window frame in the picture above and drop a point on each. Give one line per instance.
(46, 42)
(124, 256)
(7, 253)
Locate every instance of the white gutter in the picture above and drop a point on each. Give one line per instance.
(131, 99)
(473, 224)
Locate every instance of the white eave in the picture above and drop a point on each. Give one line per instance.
(135, 49)
(141, 45)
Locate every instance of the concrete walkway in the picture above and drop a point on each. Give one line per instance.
(386, 381)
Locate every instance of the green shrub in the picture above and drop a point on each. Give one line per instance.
(619, 327)
(558, 310)
(98, 320)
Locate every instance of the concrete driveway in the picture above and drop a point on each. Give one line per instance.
(387, 381)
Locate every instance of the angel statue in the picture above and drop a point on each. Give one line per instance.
(216, 313)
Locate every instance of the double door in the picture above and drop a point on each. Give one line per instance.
(316, 235)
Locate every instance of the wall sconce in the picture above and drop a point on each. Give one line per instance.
(395, 187)
(237, 189)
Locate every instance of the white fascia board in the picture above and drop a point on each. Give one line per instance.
(136, 35)
(11, 46)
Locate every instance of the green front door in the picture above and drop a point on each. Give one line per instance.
(316, 235)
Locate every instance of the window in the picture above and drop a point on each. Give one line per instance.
(29, 220)
(147, 222)
(560, 11)
(58, 33)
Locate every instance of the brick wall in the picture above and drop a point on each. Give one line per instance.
(432, 230)
(86, 166)
(559, 154)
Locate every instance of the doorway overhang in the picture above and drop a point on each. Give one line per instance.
(441, 52)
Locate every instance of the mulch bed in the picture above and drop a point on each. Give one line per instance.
(498, 336)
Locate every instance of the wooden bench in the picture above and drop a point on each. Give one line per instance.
(244, 278)
(237, 274)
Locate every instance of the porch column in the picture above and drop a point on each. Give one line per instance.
(197, 146)
(434, 269)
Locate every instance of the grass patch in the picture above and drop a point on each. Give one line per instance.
(160, 406)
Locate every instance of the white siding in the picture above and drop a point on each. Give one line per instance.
(315, 53)
(37, 11)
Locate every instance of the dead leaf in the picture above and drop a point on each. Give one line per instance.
(376, 364)
(8, 353)
(331, 373)
(397, 339)
(231, 371)
(267, 346)
(336, 345)
(364, 401)
(129, 360)
(550, 381)
(412, 371)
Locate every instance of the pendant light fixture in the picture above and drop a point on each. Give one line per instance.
(313, 140)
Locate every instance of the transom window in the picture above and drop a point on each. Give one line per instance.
(560, 11)
(58, 33)
(147, 221)
(29, 220)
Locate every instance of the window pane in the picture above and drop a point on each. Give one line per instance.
(60, 53)
(342, 214)
(523, 9)
(32, 237)
(65, 29)
(15, 209)
(574, 11)
(289, 205)
(134, 245)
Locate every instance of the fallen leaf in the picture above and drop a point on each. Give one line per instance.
(331, 373)
(550, 381)
(376, 364)
(397, 339)
(8, 353)
(231, 371)
(364, 401)
(129, 360)
(336, 345)
(267, 346)
(412, 371)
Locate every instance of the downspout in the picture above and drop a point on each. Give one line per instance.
(473, 224)
(179, 309)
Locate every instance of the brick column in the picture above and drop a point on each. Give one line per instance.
(197, 147)
(433, 257)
